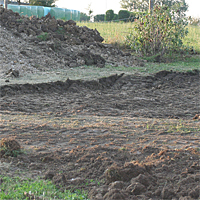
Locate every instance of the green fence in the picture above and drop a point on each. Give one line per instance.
(39, 11)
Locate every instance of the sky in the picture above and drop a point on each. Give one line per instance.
(101, 6)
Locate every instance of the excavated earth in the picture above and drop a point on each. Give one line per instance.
(124, 136)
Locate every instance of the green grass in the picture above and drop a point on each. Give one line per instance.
(193, 38)
(113, 32)
(185, 64)
(15, 188)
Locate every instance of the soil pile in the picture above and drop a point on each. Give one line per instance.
(32, 44)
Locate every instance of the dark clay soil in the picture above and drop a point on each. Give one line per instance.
(120, 137)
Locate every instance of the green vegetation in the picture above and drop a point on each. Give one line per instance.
(157, 33)
(109, 15)
(184, 64)
(182, 129)
(143, 5)
(111, 32)
(43, 36)
(16, 188)
(115, 33)
(47, 3)
(193, 38)
(8, 152)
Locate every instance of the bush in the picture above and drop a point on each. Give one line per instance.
(157, 33)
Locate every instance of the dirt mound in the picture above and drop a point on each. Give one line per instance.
(59, 86)
(153, 173)
(64, 31)
(41, 44)
(165, 95)
(9, 147)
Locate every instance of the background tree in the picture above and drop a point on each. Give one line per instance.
(124, 15)
(46, 3)
(128, 4)
(135, 5)
(84, 17)
(143, 5)
(99, 18)
(90, 11)
(109, 15)
(116, 17)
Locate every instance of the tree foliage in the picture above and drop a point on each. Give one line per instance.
(158, 33)
(90, 11)
(84, 17)
(46, 3)
(99, 18)
(143, 5)
(124, 14)
(109, 15)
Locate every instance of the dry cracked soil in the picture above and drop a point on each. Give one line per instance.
(123, 136)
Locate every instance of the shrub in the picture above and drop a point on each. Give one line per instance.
(157, 33)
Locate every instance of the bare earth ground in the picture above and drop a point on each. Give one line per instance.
(134, 136)
(119, 137)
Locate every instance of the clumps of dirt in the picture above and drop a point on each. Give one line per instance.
(64, 31)
(125, 173)
(161, 174)
(71, 85)
(9, 147)
(116, 95)
(13, 73)
(197, 116)
(47, 43)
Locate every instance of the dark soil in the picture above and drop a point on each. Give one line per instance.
(120, 137)
(164, 95)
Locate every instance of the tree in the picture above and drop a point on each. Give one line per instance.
(99, 18)
(116, 17)
(90, 11)
(109, 15)
(124, 15)
(143, 5)
(135, 5)
(46, 3)
(84, 17)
